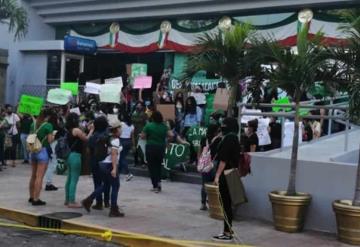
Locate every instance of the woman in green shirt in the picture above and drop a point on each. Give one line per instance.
(40, 160)
(155, 134)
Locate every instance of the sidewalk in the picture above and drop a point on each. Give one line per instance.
(174, 213)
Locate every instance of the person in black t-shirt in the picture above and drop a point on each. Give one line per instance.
(228, 156)
(212, 139)
(252, 143)
(275, 133)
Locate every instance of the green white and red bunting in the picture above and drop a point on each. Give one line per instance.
(183, 42)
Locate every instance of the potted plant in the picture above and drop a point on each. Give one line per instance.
(296, 72)
(348, 211)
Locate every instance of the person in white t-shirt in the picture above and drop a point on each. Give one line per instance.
(127, 142)
(14, 124)
(109, 170)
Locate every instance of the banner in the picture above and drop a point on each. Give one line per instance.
(142, 82)
(71, 86)
(194, 136)
(175, 154)
(263, 132)
(110, 93)
(92, 88)
(168, 111)
(282, 101)
(30, 105)
(59, 96)
(116, 80)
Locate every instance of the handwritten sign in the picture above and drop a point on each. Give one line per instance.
(30, 105)
(110, 93)
(195, 134)
(116, 80)
(289, 134)
(59, 96)
(92, 88)
(263, 132)
(175, 154)
(71, 86)
(142, 82)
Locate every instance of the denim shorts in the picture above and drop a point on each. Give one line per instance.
(40, 157)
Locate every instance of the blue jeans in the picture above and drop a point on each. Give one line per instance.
(105, 170)
(123, 163)
(98, 182)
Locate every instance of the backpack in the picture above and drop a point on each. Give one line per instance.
(101, 150)
(62, 148)
(244, 164)
(205, 163)
(33, 144)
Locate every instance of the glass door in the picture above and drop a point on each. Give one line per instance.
(71, 67)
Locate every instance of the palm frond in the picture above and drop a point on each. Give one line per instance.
(15, 16)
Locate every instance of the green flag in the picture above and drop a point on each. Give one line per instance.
(30, 105)
(175, 154)
(71, 86)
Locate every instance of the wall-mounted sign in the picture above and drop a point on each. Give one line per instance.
(79, 45)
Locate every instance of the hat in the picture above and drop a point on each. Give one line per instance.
(114, 123)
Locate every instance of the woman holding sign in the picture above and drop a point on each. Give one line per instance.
(155, 134)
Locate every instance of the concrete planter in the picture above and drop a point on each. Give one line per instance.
(348, 221)
(289, 212)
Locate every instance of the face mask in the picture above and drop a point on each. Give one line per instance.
(115, 110)
(178, 105)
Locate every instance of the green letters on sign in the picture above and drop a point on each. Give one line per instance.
(30, 105)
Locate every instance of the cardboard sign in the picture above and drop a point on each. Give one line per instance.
(194, 135)
(282, 101)
(59, 96)
(289, 134)
(263, 132)
(30, 105)
(71, 86)
(174, 154)
(221, 100)
(247, 118)
(110, 93)
(168, 111)
(142, 82)
(76, 110)
(92, 88)
(116, 80)
(138, 69)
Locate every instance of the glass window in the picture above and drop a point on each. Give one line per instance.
(53, 68)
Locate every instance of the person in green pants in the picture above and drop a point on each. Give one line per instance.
(76, 138)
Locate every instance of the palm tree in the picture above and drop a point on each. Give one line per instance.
(296, 73)
(226, 54)
(15, 16)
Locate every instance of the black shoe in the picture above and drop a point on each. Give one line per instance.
(203, 207)
(106, 205)
(223, 238)
(26, 162)
(30, 200)
(51, 187)
(97, 206)
(38, 203)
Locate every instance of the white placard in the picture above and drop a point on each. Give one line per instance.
(92, 88)
(289, 134)
(263, 132)
(246, 119)
(76, 110)
(110, 93)
(116, 80)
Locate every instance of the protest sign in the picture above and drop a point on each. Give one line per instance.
(76, 110)
(92, 88)
(110, 93)
(142, 82)
(116, 80)
(282, 101)
(168, 111)
(194, 136)
(59, 96)
(263, 132)
(221, 100)
(245, 119)
(138, 69)
(175, 154)
(71, 86)
(30, 105)
(289, 134)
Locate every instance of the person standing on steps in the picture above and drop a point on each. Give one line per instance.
(13, 133)
(155, 134)
(110, 172)
(76, 137)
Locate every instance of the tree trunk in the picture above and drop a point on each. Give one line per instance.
(232, 100)
(291, 190)
(356, 201)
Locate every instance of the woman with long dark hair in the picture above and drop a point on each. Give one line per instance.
(179, 111)
(40, 160)
(155, 134)
(192, 115)
(75, 137)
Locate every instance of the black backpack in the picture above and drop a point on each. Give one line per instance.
(101, 149)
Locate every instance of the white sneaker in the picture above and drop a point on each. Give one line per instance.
(222, 238)
(129, 177)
